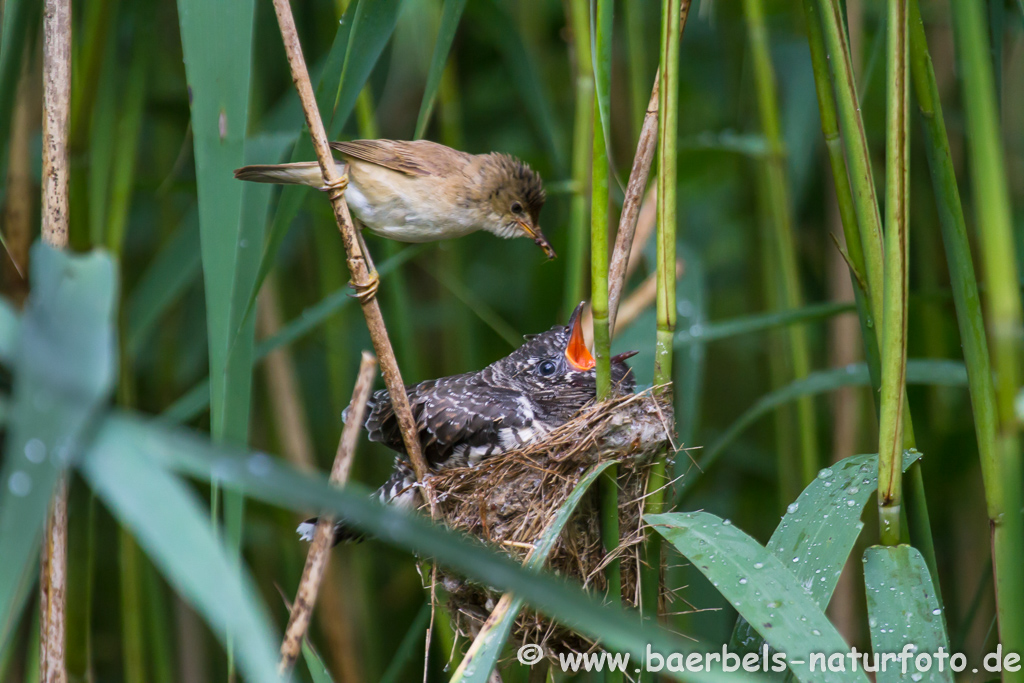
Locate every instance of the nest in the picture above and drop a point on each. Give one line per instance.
(508, 500)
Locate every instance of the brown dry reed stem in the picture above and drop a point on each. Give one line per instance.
(319, 549)
(638, 175)
(292, 427)
(350, 240)
(56, 110)
(283, 393)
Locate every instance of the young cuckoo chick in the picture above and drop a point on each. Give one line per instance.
(465, 418)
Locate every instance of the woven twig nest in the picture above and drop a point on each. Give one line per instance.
(508, 500)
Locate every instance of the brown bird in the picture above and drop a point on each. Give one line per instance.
(422, 191)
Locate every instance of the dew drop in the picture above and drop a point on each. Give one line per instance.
(793, 507)
(758, 565)
(825, 473)
(936, 611)
(19, 484)
(35, 451)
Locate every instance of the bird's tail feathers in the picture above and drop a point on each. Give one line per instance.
(342, 532)
(299, 173)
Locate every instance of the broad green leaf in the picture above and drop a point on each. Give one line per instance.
(451, 13)
(361, 37)
(760, 322)
(477, 665)
(268, 479)
(175, 267)
(197, 399)
(820, 529)
(903, 610)
(760, 587)
(216, 39)
(64, 371)
(171, 524)
(928, 372)
(317, 671)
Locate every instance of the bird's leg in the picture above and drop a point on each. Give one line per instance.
(368, 289)
(336, 188)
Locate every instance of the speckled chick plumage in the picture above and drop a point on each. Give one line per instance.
(465, 418)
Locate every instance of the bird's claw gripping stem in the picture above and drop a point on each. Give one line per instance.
(336, 188)
(365, 291)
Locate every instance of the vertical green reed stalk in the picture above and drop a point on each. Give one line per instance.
(865, 204)
(1007, 541)
(858, 160)
(639, 90)
(993, 215)
(778, 200)
(609, 487)
(599, 200)
(894, 317)
(844, 197)
(668, 116)
(582, 143)
(665, 269)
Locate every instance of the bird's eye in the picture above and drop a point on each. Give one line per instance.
(546, 368)
(517, 208)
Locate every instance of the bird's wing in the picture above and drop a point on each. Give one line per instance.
(449, 413)
(415, 158)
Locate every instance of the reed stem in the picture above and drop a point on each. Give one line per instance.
(638, 176)
(357, 265)
(56, 115)
(995, 227)
(319, 549)
(784, 247)
(897, 236)
(854, 253)
(968, 306)
(609, 482)
(858, 159)
(582, 145)
(673, 19)
(599, 203)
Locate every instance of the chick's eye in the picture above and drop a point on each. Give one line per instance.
(546, 368)
(517, 207)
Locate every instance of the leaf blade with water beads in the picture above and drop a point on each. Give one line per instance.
(903, 609)
(761, 588)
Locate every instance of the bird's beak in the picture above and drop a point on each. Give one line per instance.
(538, 237)
(623, 356)
(576, 351)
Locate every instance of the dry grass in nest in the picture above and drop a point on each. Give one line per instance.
(508, 501)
